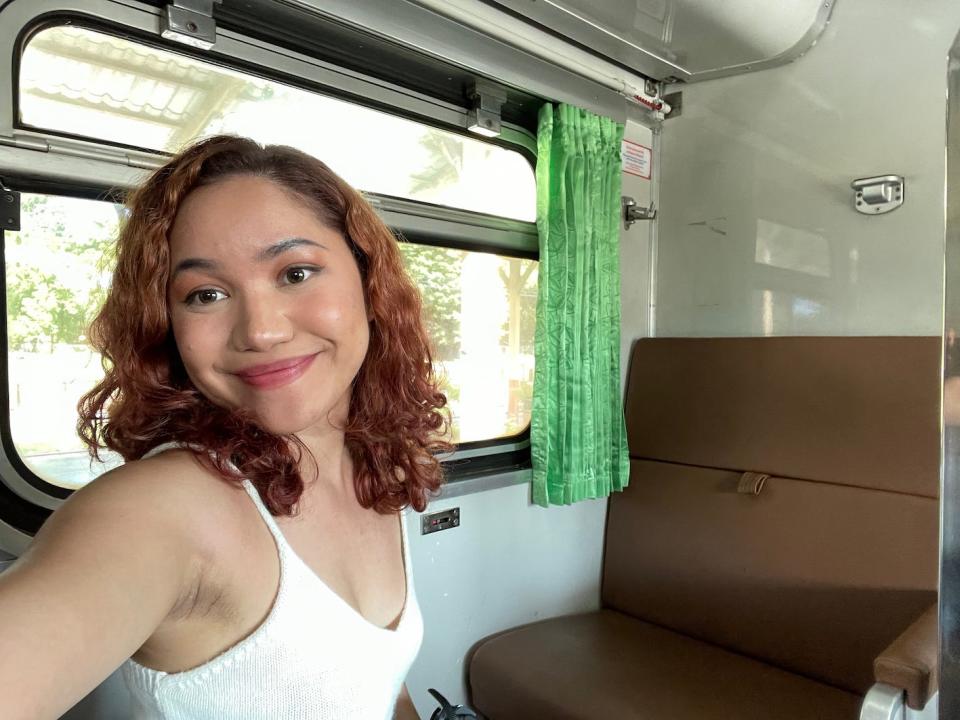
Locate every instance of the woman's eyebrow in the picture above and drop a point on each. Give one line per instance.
(267, 253)
(193, 264)
(281, 247)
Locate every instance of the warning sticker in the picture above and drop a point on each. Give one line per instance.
(636, 159)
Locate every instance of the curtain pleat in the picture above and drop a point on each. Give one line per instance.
(578, 437)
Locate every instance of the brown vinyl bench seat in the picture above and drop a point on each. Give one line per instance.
(636, 670)
(777, 539)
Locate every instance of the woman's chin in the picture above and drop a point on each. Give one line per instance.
(295, 424)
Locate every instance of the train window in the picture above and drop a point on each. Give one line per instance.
(481, 313)
(82, 82)
(57, 271)
(480, 310)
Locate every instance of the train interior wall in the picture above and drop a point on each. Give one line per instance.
(758, 231)
(756, 235)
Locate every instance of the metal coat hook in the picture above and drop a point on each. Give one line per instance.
(632, 213)
(877, 195)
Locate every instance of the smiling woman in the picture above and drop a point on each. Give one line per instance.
(263, 315)
(270, 384)
(230, 210)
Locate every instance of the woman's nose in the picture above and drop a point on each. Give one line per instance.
(261, 324)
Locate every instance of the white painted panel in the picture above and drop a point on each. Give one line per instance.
(635, 250)
(684, 39)
(758, 235)
(509, 563)
(694, 35)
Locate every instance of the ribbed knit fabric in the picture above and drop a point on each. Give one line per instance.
(313, 658)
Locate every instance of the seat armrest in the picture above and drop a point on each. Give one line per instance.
(911, 661)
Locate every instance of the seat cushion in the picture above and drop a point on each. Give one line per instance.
(608, 665)
(783, 576)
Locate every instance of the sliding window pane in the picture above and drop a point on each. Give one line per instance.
(74, 80)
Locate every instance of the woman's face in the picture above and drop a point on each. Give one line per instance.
(267, 305)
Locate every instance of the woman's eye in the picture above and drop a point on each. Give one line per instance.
(206, 296)
(296, 275)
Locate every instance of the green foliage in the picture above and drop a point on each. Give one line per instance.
(436, 271)
(56, 272)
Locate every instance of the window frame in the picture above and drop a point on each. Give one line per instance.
(82, 167)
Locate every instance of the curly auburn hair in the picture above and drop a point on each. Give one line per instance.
(396, 423)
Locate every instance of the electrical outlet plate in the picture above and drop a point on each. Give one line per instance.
(443, 520)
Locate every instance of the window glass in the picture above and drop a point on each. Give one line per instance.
(57, 272)
(87, 83)
(479, 307)
(480, 310)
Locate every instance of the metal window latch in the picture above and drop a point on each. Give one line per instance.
(9, 209)
(632, 212)
(190, 22)
(486, 100)
(877, 195)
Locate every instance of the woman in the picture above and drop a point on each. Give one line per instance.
(269, 382)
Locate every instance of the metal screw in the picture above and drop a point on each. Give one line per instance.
(192, 26)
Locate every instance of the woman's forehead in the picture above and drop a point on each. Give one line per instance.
(245, 214)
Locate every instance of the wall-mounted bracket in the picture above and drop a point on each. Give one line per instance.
(190, 22)
(674, 101)
(486, 99)
(632, 212)
(877, 195)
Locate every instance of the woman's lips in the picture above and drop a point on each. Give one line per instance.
(275, 374)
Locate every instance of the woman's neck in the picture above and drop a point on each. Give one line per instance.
(326, 461)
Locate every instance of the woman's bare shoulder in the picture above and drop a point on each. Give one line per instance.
(171, 492)
(173, 471)
(106, 570)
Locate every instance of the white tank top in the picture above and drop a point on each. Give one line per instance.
(313, 658)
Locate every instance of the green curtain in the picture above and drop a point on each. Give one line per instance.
(578, 436)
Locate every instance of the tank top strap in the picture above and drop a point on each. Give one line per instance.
(271, 523)
(268, 519)
(285, 554)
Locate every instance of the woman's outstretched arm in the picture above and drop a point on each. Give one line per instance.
(98, 579)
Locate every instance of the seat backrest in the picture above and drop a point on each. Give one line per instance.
(837, 553)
